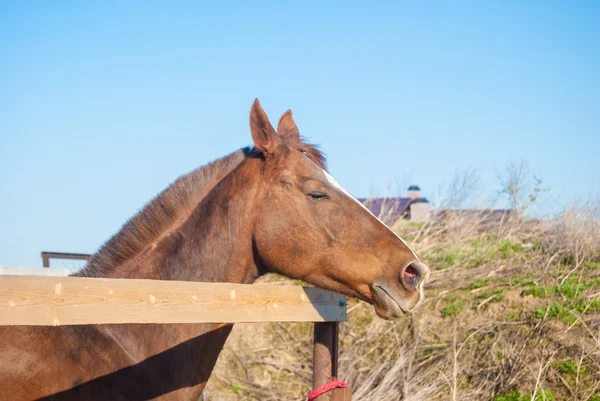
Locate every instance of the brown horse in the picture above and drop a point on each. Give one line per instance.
(272, 208)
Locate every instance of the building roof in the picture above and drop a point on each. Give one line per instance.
(387, 210)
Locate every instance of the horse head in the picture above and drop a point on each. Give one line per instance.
(312, 229)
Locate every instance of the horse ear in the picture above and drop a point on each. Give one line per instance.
(287, 127)
(263, 134)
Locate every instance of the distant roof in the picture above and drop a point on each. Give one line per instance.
(414, 188)
(387, 210)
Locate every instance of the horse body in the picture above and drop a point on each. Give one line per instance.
(112, 362)
(140, 362)
(272, 208)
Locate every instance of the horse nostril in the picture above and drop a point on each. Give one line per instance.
(414, 274)
(411, 273)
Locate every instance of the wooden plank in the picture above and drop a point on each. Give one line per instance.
(54, 301)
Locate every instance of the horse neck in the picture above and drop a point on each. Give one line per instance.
(214, 244)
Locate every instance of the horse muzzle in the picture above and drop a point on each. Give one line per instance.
(395, 297)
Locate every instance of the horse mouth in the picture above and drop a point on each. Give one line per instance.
(392, 302)
(392, 306)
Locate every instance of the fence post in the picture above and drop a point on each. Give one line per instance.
(324, 355)
(45, 259)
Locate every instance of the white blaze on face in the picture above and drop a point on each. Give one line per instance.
(336, 185)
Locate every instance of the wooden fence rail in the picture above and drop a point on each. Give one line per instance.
(54, 301)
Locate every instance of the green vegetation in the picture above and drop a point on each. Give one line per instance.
(510, 316)
(473, 254)
(507, 249)
(520, 281)
(587, 306)
(571, 289)
(453, 309)
(477, 284)
(569, 367)
(495, 295)
(592, 265)
(556, 311)
(513, 396)
(519, 396)
(568, 314)
(235, 388)
(538, 292)
(451, 297)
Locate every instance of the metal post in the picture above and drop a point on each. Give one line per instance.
(325, 361)
(324, 355)
(335, 336)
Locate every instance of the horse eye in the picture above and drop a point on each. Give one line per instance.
(305, 153)
(317, 196)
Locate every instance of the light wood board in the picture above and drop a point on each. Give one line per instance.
(56, 301)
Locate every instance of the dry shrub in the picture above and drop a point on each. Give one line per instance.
(574, 237)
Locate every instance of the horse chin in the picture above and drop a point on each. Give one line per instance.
(389, 302)
(386, 306)
(386, 313)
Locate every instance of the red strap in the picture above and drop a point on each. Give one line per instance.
(325, 388)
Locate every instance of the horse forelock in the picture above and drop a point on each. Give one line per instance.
(315, 153)
(312, 150)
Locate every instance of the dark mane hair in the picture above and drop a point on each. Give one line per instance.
(168, 207)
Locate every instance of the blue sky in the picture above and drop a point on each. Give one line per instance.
(103, 104)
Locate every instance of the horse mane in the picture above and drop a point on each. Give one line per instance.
(161, 213)
(166, 209)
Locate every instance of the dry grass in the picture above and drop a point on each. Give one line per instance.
(512, 314)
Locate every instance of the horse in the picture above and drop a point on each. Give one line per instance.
(269, 208)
